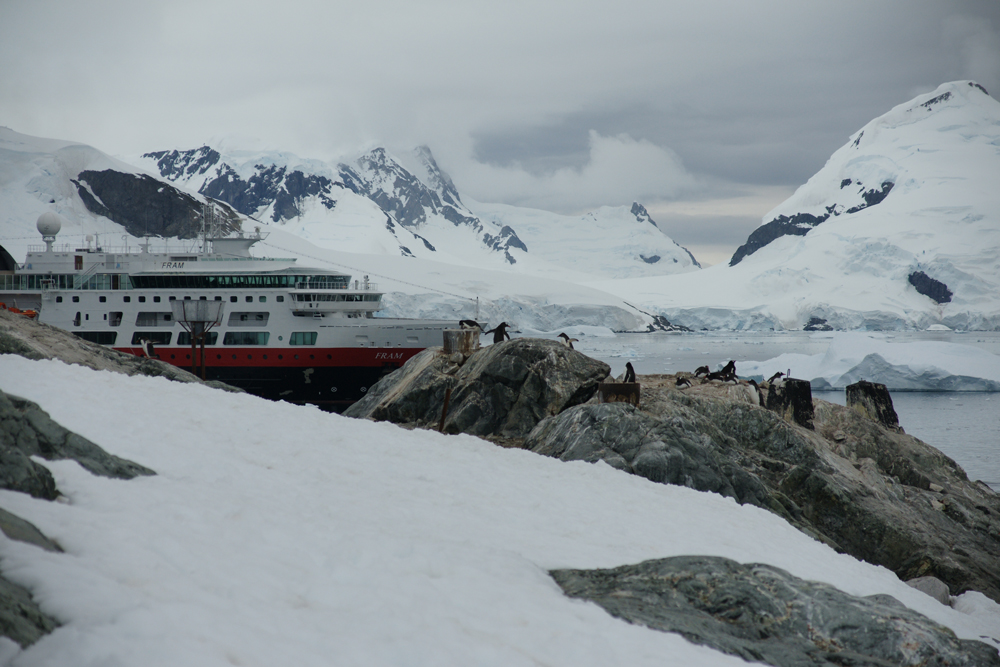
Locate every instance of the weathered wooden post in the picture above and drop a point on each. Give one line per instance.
(873, 401)
(464, 341)
(792, 399)
(618, 392)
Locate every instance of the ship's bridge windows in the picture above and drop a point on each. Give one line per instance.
(211, 338)
(248, 319)
(154, 319)
(245, 338)
(302, 338)
(157, 337)
(99, 337)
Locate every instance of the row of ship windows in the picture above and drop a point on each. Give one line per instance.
(156, 299)
(184, 338)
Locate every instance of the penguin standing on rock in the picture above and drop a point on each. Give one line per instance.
(470, 324)
(567, 341)
(629, 372)
(499, 333)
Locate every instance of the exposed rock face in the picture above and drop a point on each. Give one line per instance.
(932, 289)
(764, 614)
(877, 494)
(503, 389)
(145, 205)
(801, 224)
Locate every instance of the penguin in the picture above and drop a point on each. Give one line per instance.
(629, 372)
(729, 370)
(776, 376)
(760, 394)
(701, 370)
(147, 348)
(567, 341)
(683, 383)
(470, 324)
(499, 332)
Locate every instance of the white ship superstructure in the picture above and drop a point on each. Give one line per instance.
(283, 331)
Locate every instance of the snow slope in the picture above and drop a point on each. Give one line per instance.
(941, 217)
(278, 534)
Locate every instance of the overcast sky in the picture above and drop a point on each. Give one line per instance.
(709, 113)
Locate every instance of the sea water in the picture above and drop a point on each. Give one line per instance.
(963, 425)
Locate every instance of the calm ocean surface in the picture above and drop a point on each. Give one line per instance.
(963, 425)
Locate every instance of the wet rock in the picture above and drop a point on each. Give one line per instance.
(503, 390)
(764, 614)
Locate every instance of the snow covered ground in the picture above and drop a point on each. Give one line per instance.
(908, 366)
(277, 534)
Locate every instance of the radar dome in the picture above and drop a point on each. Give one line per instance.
(48, 224)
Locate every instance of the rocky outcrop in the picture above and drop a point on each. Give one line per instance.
(145, 205)
(502, 390)
(932, 289)
(867, 490)
(26, 430)
(764, 614)
(34, 340)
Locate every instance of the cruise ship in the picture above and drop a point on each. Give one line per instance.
(267, 325)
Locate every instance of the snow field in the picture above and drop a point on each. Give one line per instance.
(277, 534)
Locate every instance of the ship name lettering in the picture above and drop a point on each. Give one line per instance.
(173, 265)
(389, 355)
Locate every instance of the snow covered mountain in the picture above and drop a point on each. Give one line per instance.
(405, 204)
(900, 229)
(94, 194)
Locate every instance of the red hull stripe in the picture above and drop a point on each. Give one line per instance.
(305, 357)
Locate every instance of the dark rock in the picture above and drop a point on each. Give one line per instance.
(873, 400)
(504, 389)
(27, 430)
(18, 529)
(933, 289)
(20, 618)
(866, 490)
(145, 205)
(801, 224)
(817, 324)
(764, 614)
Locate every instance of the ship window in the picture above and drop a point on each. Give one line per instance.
(218, 298)
(76, 320)
(262, 299)
(116, 319)
(248, 319)
(142, 299)
(279, 299)
(233, 299)
(302, 338)
(249, 299)
(127, 299)
(153, 319)
(158, 337)
(203, 298)
(58, 299)
(76, 299)
(99, 337)
(173, 298)
(78, 262)
(184, 338)
(87, 317)
(156, 299)
(187, 298)
(245, 338)
(102, 299)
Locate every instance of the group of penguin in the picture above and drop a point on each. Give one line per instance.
(500, 332)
